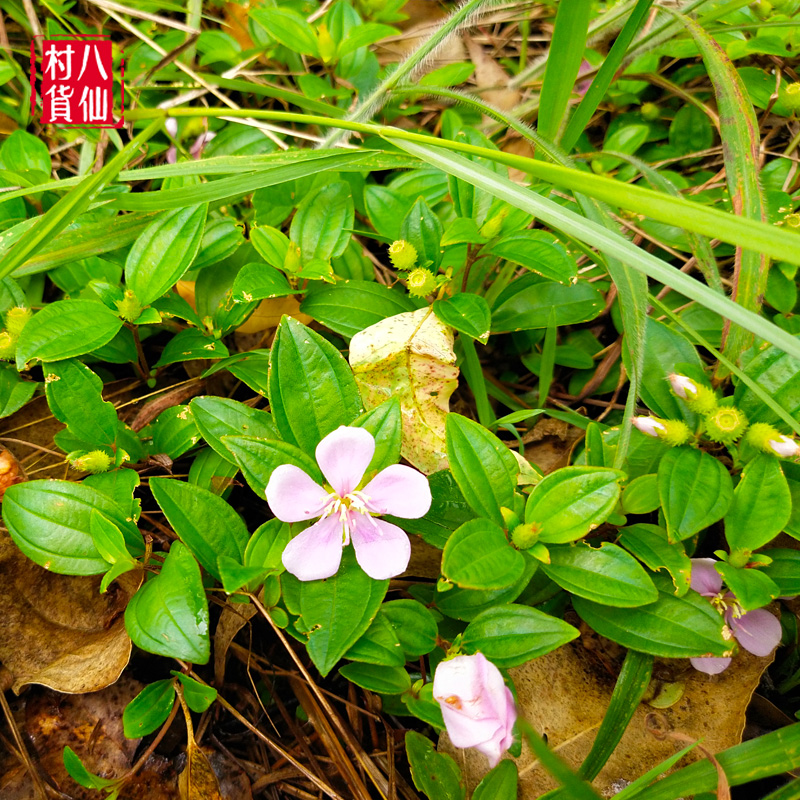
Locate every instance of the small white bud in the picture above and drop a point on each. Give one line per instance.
(785, 447)
(649, 426)
(684, 387)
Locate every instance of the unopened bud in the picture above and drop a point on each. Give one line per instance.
(93, 462)
(327, 47)
(791, 97)
(493, 225)
(129, 308)
(402, 254)
(421, 282)
(726, 425)
(525, 536)
(650, 111)
(649, 426)
(292, 261)
(770, 440)
(8, 346)
(16, 319)
(699, 398)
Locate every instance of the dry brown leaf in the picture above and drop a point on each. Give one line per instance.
(491, 78)
(198, 781)
(518, 147)
(549, 445)
(410, 356)
(232, 619)
(58, 630)
(712, 708)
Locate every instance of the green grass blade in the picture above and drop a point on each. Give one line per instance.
(548, 360)
(471, 369)
(566, 53)
(237, 185)
(740, 152)
(605, 76)
(606, 241)
(771, 754)
(791, 791)
(643, 781)
(64, 212)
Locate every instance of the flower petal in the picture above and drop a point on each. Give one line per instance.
(316, 552)
(343, 456)
(293, 496)
(710, 665)
(400, 491)
(759, 632)
(382, 549)
(705, 579)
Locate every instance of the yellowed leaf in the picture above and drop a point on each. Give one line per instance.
(711, 708)
(491, 78)
(410, 356)
(198, 781)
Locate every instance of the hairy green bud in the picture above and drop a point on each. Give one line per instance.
(525, 536)
(94, 461)
(699, 398)
(129, 308)
(8, 346)
(791, 97)
(421, 282)
(770, 440)
(726, 425)
(402, 254)
(16, 319)
(650, 111)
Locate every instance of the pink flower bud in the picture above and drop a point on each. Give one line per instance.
(477, 706)
(649, 426)
(785, 447)
(684, 387)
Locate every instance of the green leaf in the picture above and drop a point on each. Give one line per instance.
(423, 229)
(478, 556)
(528, 303)
(234, 575)
(762, 505)
(650, 545)
(14, 391)
(784, 570)
(499, 783)
(419, 702)
(288, 27)
(570, 502)
(467, 313)
(695, 490)
(219, 416)
(75, 396)
(259, 281)
(640, 496)
(174, 432)
(753, 587)
(322, 223)
(337, 611)
(434, 773)
(250, 368)
(267, 544)
(539, 252)
(379, 645)
(221, 239)
(168, 616)
(50, 521)
(312, 389)
(257, 458)
(384, 422)
(672, 627)
(164, 251)
(483, 467)
(198, 696)
(149, 709)
(348, 307)
(566, 54)
(78, 772)
(65, 329)
(413, 624)
(510, 635)
(778, 374)
(606, 575)
(205, 523)
(191, 344)
(110, 543)
(377, 678)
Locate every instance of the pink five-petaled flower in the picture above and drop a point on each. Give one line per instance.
(345, 511)
(477, 707)
(758, 631)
